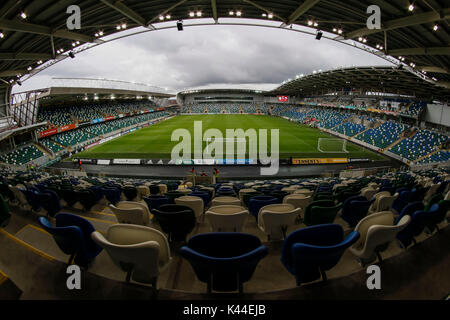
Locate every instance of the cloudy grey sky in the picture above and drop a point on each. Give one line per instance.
(207, 55)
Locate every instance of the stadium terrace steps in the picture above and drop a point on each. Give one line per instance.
(395, 143)
(38, 238)
(8, 289)
(41, 240)
(426, 156)
(41, 276)
(45, 150)
(99, 215)
(367, 128)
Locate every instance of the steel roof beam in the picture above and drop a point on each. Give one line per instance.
(214, 10)
(431, 51)
(11, 73)
(413, 20)
(433, 69)
(126, 11)
(166, 11)
(301, 10)
(25, 27)
(24, 56)
(265, 9)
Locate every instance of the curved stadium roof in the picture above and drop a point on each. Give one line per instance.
(31, 42)
(390, 80)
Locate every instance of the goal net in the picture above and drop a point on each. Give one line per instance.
(332, 145)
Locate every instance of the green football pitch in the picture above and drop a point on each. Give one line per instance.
(295, 140)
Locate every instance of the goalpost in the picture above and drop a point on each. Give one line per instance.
(332, 145)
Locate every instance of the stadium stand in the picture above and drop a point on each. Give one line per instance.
(52, 145)
(38, 187)
(441, 156)
(384, 135)
(22, 155)
(349, 129)
(61, 116)
(415, 110)
(421, 144)
(81, 135)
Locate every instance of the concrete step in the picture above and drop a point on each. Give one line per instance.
(43, 277)
(43, 241)
(8, 289)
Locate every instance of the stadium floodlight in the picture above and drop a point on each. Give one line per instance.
(30, 68)
(161, 18)
(231, 13)
(199, 13)
(180, 25)
(124, 25)
(2, 35)
(436, 27)
(238, 13)
(411, 7)
(168, 17)
(310, 23)
(192, 14)
(23, 15)
(340, 31)
(270, 16)
(319, 35)
(264, 15)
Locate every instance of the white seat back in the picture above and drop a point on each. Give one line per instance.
(195, 203)
(227, 218)
(368, 193)
(129, 212)
(274, 222)
(19, 195)
(376, 230)
(306, 192)
(225, 201)
(298, 200)
(145, 249)
(143, 191)
(385, 202)
(431, 191)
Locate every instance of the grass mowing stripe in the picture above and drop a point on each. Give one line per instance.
(154, 142)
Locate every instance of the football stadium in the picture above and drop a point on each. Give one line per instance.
(331, 185)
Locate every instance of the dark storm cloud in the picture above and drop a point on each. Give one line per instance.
(207, 55)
